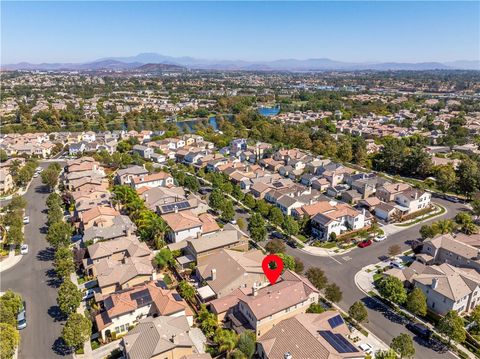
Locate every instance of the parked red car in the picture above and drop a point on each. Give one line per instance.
(365, 243)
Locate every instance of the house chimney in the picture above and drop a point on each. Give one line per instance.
(176, 208)
(287, 355)
(214, 274)
(146, 197)
(254, 290)
(434, 283)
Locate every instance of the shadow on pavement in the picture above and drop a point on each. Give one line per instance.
(373, 304)
(45, 255)
(55, 312)
(60, 348)
(53, 280)
(434, 344)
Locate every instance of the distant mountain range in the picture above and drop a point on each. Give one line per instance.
(152, 62)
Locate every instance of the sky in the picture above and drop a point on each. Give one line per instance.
(75, 31)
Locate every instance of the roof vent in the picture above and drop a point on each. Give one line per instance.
(287, 355)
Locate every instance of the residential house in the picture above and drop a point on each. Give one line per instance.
(343, 218)
(161, 338)
(124, 309)
(158, 179)
(124, 176)
(413, 200)
(387, 192)
(309, 335)
(144, 151)
(185, 224)
(98, 216)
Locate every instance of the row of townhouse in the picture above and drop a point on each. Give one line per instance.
(447, 270)
(129, 292)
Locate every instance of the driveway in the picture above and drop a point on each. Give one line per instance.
(341, 270)
(33, 277)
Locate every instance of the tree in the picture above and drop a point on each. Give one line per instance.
(445, 178)
(163, 258)
(63, 262)
(467, 177)
(317, 277)
(333, 293)
(385, 354)
(290, 226)
(77, 330)
(443, 226)
(249, 201)
(465, 221)
(216, 199)
(299, 266)
(246, 343)
(475, 207)
(10, 305)
(451, 325)
(275, 246)
(262, 207)
(358, 312)
(50, 177)
(427, 231)
(226, 339)
(15, 235)
(3, 158)
(276, 216)
(417, 302)
(403, 346)
(192, 183)
(288, 261)
(186, 290)
(315, 308)
(53, 200)
(151, 227)
(59, 234)
(17, 203)
(241, 224)
(9, 340)
(236, 354)
(391, 288)
(256, 226)
(394, 250)
(55, 214)
(228, 211)
(69, 297)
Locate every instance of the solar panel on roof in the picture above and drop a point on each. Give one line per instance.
(335, 321)
(338, 342)
(177, 297)
(141, 297)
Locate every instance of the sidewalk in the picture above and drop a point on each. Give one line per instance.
(87, 347)
(10, 261)
(106, 349)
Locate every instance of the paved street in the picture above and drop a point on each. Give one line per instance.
(342, 269)
(34, 279)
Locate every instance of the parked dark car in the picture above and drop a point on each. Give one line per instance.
(420, 330)
(365, 243)
(292, 244)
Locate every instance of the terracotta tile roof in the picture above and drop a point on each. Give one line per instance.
(209, 224)
(96, 212)
(182, 220)
(150, 178)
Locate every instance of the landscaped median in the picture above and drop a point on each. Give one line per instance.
(438, 211)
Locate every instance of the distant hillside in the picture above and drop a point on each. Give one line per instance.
(153, 68)
(152, 62)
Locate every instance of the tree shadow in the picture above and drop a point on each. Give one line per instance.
(55, 312)
(432, 343)
(53, 280)
(388, 313)
(60, 348)
(45, 255)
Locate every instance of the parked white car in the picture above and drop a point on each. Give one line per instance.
(26, 220)
(367, 348)
(24, 249)
(397, 264)
(89, 293)
(380, 238)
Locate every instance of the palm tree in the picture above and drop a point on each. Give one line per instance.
(151, 227)
(226, 340)
(444, 226)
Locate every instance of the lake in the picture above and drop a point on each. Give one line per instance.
(269, 111)
(189, 126)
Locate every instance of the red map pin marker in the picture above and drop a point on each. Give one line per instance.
(272, 266)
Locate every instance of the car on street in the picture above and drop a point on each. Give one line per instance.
(380, 238)
(233, 221)
(35, 175)
(397, 263)
(367, 348)
(22, 317)
(26, 220)
(203, 190)
(292, 244)
(24, 249)
(419, 329)
(365, 243)
(89, 293)
(277, 235)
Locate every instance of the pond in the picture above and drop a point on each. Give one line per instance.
(269, 111)
(189, 125)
